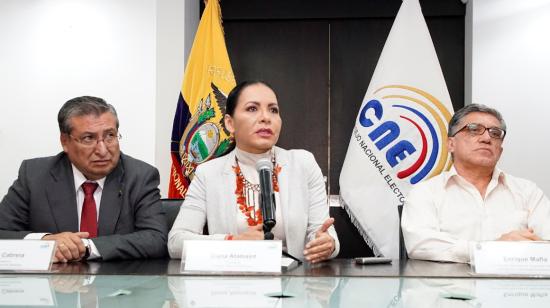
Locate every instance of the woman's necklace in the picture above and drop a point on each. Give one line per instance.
(247, 193)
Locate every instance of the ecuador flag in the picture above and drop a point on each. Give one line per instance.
(198, 132)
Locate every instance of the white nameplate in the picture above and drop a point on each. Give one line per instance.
(511, 258)
(26, 291)
(26, 255)
(232, 256)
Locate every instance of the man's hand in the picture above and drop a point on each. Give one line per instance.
(69, 245)
(520, 235)
(69, 284)
(253, 233)
(322, 246)
(72, 268)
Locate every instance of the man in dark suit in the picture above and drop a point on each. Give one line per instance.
(94, 201)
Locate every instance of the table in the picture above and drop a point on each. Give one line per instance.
(337, 283)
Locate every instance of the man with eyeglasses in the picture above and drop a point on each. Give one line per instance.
(474, 200)
(93, 200)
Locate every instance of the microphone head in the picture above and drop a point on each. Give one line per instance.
(264, 164)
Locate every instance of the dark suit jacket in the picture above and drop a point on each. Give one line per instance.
(131, 221)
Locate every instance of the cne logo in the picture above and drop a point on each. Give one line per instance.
(409, 126)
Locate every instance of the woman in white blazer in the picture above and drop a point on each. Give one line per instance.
(224, 191)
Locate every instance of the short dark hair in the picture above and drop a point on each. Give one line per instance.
(461, 113)
(234, 95)
(80, 106)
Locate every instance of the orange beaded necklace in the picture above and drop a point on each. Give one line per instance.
(246, 194)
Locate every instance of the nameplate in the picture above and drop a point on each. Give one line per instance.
(232, 256)
(26, 291)
(511, 258)
(26, 255)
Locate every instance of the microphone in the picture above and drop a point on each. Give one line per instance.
(267, 196)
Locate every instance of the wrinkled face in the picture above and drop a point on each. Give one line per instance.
(470, 150)
(94, 159)
(256, 122)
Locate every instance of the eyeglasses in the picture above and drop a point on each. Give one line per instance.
(478, 129)
(109, 138)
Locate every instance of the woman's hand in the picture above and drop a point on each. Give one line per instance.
(253, 233)
(322, 246)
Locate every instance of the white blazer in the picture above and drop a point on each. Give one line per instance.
(211, 199)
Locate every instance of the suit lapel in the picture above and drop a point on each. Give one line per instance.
(111, 200)
(229, 187)
(61, 195)
(281, 157)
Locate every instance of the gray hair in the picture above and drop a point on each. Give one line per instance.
(457, 117)
(80, 106)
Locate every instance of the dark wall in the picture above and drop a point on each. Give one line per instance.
(292, 56)
(319, 55)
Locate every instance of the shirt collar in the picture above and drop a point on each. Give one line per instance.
(498, 175)
(79, 179)
(450, 174)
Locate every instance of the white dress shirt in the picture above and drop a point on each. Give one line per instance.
(79, 179)
(444, 214)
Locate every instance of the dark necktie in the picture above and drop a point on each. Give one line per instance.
(88, 220)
